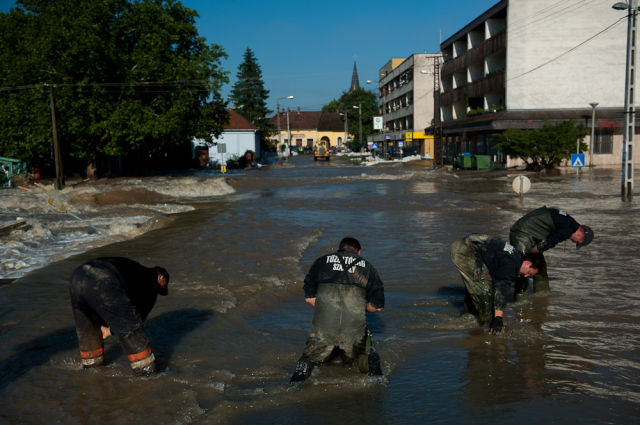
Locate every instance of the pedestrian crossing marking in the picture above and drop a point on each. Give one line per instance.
(577, 160)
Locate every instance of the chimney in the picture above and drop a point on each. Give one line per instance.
(298, 110)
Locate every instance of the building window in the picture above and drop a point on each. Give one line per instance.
(298, 142)
(309, 143)
(603, 141)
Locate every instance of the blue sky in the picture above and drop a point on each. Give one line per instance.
(307, 48)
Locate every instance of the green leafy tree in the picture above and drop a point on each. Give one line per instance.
(542, 148)
(131, 79)
(250, 96)
(345, 104)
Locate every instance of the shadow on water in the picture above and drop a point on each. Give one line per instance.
(454, 294)
(35, 353)
(164, 332)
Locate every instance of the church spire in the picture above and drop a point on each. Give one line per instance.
(355, 82)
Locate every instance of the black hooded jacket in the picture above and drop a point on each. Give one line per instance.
(140, 283)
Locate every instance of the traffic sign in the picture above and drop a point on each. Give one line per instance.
(521, 185)
(577, 160)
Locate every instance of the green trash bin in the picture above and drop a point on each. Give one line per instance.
(466, 162)
(483, 162)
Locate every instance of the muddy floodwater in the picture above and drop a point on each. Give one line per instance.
(228, 335)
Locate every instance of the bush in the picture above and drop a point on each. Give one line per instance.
(545, 147)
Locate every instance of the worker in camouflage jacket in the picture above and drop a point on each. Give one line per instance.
(541, 230)
(489, 268)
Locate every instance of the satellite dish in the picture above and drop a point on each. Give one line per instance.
(521, 185)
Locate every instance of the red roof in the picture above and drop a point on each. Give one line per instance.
(238, 122)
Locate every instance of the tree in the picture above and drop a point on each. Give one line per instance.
(543, 148)
(250, 96)
(131, 79)
(345, 104)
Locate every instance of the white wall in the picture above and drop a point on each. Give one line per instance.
(423, 91)
(539, 31)
(237, 143)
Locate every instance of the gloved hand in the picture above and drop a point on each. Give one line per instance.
(495, 327)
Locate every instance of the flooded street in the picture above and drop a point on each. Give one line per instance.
(228, 335)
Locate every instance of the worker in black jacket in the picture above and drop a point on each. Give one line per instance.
(115, 295)
(540, 230)
(341, 287)
(489, 268)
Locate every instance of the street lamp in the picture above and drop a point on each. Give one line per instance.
(629, 103)
(278, 116)
(384, 110)
(346, 126)
(593, 131)
(359, 108)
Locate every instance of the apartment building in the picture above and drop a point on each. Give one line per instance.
(524, 62)
(406, 99)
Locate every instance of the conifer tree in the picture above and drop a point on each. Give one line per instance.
(250, 96)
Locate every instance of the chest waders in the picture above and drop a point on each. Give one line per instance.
(339, 329)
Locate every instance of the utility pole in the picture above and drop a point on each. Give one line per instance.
(59, 183)
(289, 131)
(360, 122)
(278, 118)
(593, 131)
(438, 145)
(346, 127)
(629, 102)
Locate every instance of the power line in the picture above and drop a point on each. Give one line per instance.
(186, 83)
(551, 17)
(570, 50)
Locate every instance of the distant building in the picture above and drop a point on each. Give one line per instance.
(406, 99)
(523, 62)
(238, 137)
(307, 127)
(355, 81)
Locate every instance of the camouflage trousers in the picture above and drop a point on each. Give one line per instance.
(477, 280)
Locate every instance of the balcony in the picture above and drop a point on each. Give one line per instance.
(490, 83)
(475, 55)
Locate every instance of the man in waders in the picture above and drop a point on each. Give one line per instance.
(341, 287)
(540, 230)
(489, 268)
(115, 295)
